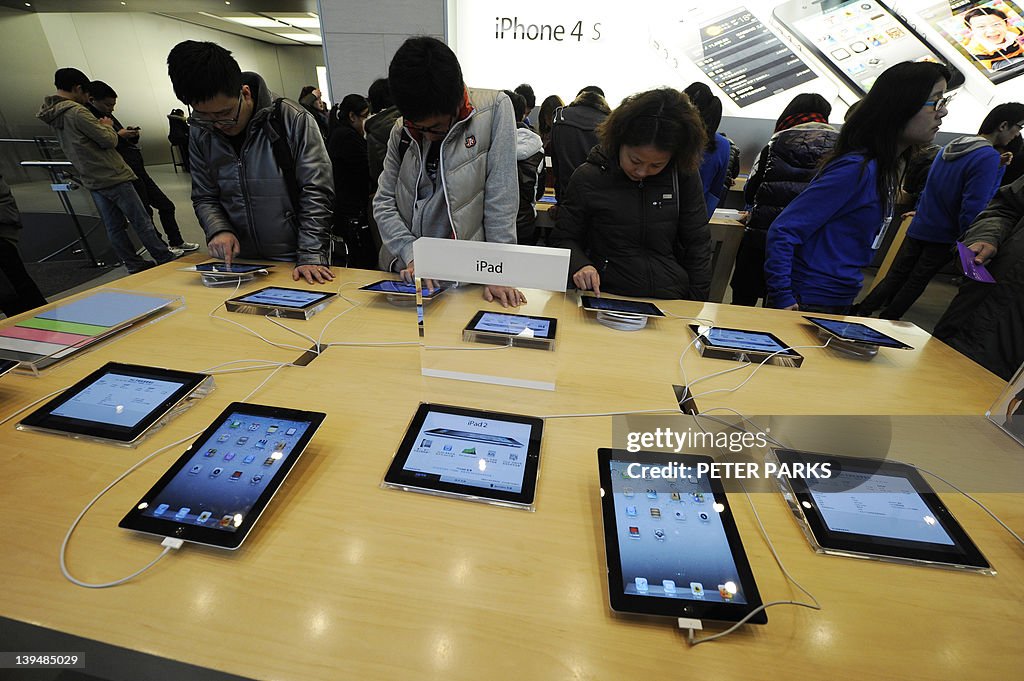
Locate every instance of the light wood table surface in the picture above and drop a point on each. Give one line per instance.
(344, 579)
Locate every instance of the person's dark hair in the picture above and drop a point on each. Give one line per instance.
(97, 89)
(662, 118)
(425, 79)
(67, 79)
(177, 112)
(590, 88)
(526, 91)
(982, 11)
(547, 113)
(379, 95)
(710, 108)
(201, 71)
(353, 103)
(518, 104)
(594, 100)
(306, 89)
(805, 103)
(1010, 112)
(874, 127)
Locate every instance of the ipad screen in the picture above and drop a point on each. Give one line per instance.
(234, 268)
(284, 297)
(400, 287)
(743, 340)
(514, 325)
(615, 305)
(856, 331)
(118, 399)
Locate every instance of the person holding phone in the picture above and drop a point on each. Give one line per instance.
(818, 245)
(633, 214)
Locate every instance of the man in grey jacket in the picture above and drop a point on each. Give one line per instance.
(89, 143)
(450, 169)
(251, 200)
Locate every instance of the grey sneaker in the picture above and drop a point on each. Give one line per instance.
(186, 246)
(175, 251)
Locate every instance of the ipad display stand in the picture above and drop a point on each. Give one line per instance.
(865, 351)
(736, 355)
(622, 321)
(218, 281)
(202, 390)
(1008, 410)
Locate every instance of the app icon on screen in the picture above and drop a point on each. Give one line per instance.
(469, 450)
(223, 438)
(256, 479)
(652, 493)
(226, 520)
(631, 511)
(254, 426)
(269, 461)
(676, 497)
(659, 534)
(210, 452)
(703, 515)
(161, 509)
(261, 444)
(249, 459)
(448, 448)
(698, 497)
(242, 440)
(182, 512)
(641, 584)
(679, 515)
(216, 471)
(426, 443)
(697, 589)
(203, 517)
(272, 429)
(229, 456)
(669, 586)
(290, 432)
(236, 424)
(634, 531)
(235, 476)
(725, 593)
(195, 470)
(655, 512)
(627, 492)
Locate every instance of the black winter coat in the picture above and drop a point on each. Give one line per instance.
(573, 135)
(646, 239)
(347, 150)
(784, 169)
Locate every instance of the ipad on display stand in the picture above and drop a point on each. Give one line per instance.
(743, 345)
(403, 293)
(217, 489)
(518, 330)
(622, 315)
(671, 543)
(219, 273)
(277, 301)
(874, 509)
(854, 338)
(119, 403)
(469, 454)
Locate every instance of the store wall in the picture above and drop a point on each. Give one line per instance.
(128, 51)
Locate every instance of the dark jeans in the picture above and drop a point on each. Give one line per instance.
(912, 268)
(154, 198)
(748, 278)
(18, 293)
(122, 201)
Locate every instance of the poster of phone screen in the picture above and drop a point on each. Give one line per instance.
(746, 60)
(863, 39)
(990, 34)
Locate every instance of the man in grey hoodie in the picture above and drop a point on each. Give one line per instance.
(90, 144)
(450, 169)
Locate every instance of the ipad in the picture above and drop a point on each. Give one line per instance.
(223, 268)
(285, 302)
(671, 543)
(855, 332)
(215, 492)
(469, 454)
(401, 288)
(7, 365)
(744, 345)
(504, 328)
(595, 304)
(872, 508)
(117, 402)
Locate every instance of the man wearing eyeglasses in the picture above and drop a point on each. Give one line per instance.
(450, 169)
(242, 191)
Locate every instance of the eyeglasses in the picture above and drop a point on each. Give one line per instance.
(431, 130)
(209, 124)
(940, 103)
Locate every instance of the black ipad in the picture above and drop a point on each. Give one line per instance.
(292, 298)
(760, 342)
(215, 492)
(855, 332)
(671, 543)
(221, 267)
(513, 325)
(116, 402)
(595, 304)
(875, 508)
(7, 365)
(469, 454)
(401, 288)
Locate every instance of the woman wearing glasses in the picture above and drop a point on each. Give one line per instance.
(817, 246)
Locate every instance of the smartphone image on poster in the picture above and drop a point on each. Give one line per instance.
(858, 39)
(737, 53)
(988, 34)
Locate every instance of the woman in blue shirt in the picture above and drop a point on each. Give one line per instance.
(817, 246)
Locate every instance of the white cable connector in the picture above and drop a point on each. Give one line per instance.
(172, 543)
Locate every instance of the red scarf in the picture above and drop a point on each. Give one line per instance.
(798, 118)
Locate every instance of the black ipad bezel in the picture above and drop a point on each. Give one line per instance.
(786, 351)
(43, 419)
(324, 297)
(163, 527)
(253, 268)
(426, 296)
(673, 607)
(964, 552)
(553, 328)
(396, 474)
(587, 304)
(8, 365)
(895, 345)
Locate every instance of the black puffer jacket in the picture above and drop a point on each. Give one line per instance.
(784, 168)
(646, 239)
(573, 135)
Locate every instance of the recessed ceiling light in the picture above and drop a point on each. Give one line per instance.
(301, 37)
(254, 22)
(300, 22)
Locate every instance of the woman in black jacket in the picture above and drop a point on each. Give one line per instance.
(346, 146)
(634, 215)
